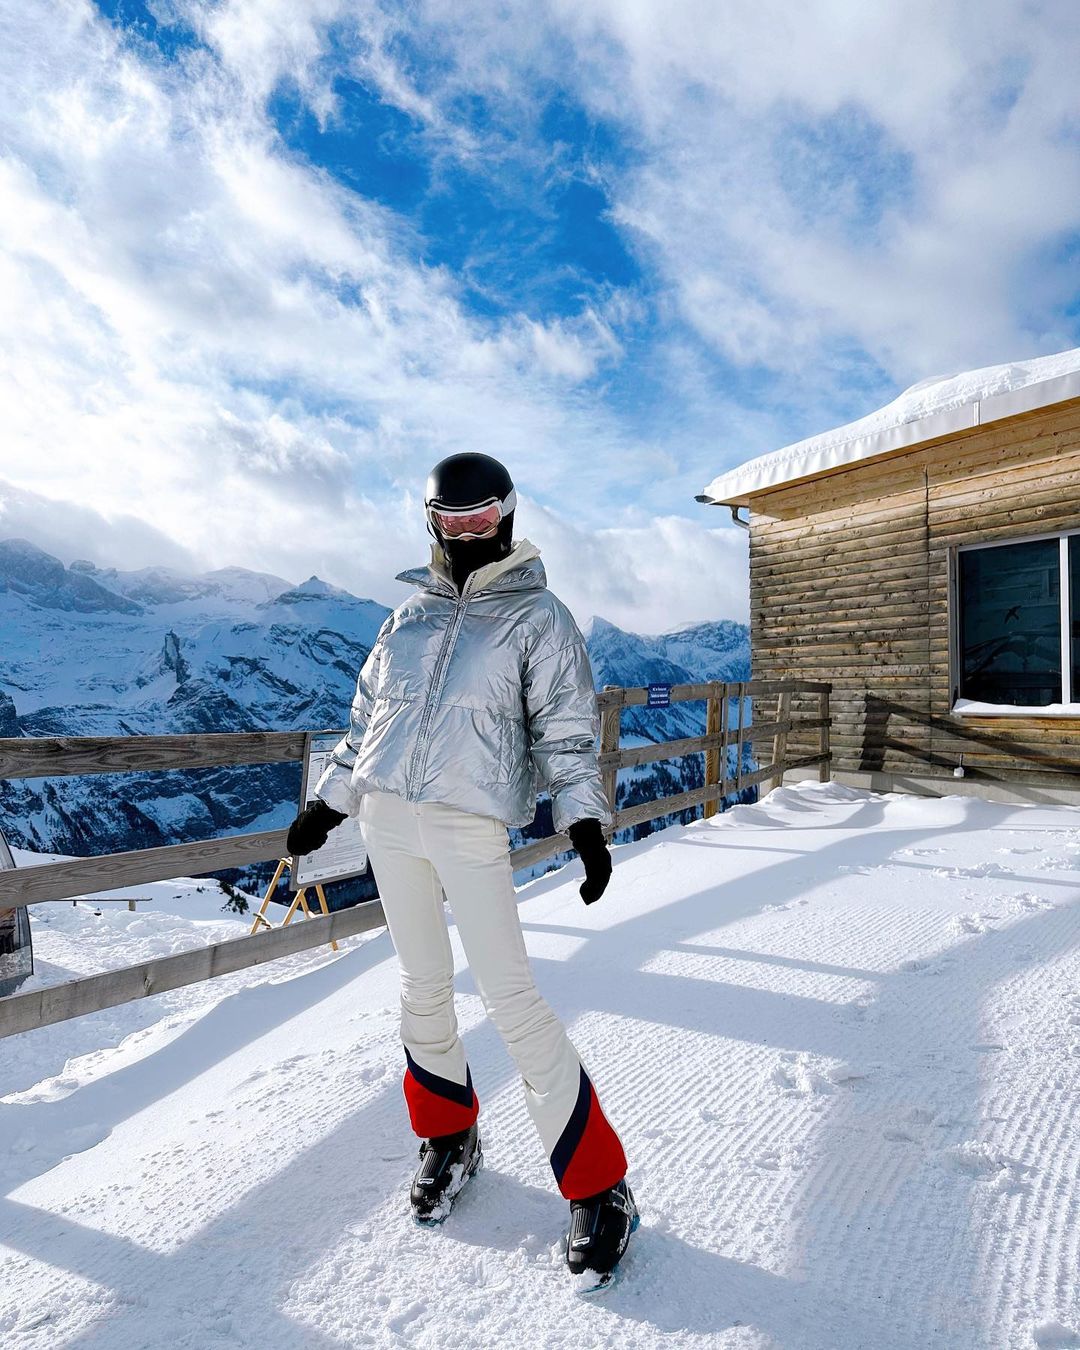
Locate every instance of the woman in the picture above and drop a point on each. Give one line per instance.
(478, 685)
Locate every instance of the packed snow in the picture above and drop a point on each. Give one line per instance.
(933, 407)
(968, 707)
(839, 1033)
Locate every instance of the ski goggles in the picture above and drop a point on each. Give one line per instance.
(470, 522)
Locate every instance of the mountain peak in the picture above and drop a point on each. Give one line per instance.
(28, 571)
(316, 589)
(316, 586)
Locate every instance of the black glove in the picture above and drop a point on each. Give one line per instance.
(587, 836)
(311, 827)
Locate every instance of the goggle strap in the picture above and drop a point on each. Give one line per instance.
(506, 505)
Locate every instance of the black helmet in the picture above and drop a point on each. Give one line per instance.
(469, 496)
(469, 502)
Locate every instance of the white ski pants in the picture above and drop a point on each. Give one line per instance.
(421, 851)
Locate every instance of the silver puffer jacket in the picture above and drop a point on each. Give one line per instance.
(474, 699)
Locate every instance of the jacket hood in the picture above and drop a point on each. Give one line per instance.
(520, 570)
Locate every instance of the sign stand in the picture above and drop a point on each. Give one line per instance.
(299, 900)
(341, 857)
(16, 944)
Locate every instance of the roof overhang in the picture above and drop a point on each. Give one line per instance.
(805, 461)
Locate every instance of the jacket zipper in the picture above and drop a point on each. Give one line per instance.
(417, 765)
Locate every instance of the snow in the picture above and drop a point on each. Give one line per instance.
(966, 707)
(935, 407)
(186, 899)
(839, 1033)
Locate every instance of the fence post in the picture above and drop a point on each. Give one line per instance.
(779, 750)
(715, 725)
(740, 692)
(824, 748)
(610, 730)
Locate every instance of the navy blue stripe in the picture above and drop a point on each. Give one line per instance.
(443, 1087)
(565, 1149)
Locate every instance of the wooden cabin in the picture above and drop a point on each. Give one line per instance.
(926, 562)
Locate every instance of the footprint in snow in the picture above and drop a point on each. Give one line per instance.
(912, 1125)
(985, 1164)
(1055, 1335)
(985, 869)
(799, 1075)
(973, 924)
(915, 966)
(1030, 900)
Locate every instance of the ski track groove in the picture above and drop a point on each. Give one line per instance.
(1040, 1147)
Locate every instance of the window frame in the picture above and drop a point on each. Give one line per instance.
(1070, 697)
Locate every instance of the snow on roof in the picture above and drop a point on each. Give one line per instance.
(936, 407)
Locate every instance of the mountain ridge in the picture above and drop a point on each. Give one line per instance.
(93, 651)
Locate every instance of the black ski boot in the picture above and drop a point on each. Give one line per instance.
(446, 1164)
(600, 1229)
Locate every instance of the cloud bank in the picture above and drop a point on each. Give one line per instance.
(263, 263)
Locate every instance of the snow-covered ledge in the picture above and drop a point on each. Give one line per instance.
(966, 707)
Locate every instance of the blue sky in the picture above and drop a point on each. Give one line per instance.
(270, 261)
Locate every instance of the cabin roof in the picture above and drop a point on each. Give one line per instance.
(937, 407)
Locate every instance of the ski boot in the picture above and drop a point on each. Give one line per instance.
(600, 1229)
(446, 1164)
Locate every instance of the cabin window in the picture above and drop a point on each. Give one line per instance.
(1074, 616)
(1019, 623)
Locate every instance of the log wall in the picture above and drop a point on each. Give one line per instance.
(850, 584)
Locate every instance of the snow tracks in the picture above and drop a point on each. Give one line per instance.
(839, 1033)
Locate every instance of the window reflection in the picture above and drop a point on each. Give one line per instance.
(1074, 602)
(1010, 623)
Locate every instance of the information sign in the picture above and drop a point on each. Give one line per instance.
(16, 949)
(659, 696)
(343, 855)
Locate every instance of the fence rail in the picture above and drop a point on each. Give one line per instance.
(62, 756)
(57, 756)
(73, 998)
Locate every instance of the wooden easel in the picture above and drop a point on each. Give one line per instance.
(299, 900)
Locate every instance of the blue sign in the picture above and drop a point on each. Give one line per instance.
(659, 696)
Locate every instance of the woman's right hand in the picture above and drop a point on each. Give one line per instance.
(311, 828)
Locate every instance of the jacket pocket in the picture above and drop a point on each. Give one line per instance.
(512, 750)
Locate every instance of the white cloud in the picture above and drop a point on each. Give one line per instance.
(212, 336)
(647, 578)
(933, 283)
(69, 531)
(978, 110)
(205, 335)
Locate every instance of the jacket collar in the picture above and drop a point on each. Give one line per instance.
(520, 570)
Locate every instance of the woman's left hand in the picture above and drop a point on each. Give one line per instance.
(587, 836)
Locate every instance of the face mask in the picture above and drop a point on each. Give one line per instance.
(466, 556)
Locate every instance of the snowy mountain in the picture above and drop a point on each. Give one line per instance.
(704, 651)
(91, 651)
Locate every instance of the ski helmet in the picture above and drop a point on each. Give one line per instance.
(470, 497)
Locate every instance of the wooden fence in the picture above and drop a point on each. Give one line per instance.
(728, 728)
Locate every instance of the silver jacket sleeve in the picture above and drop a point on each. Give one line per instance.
(562, 723)
(334, 786)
